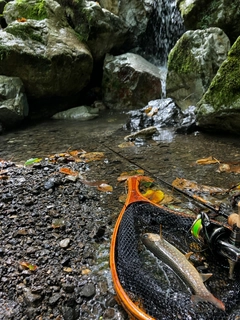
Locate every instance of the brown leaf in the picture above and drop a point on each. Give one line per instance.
(92, 156)
(68, 171)
(105, 187)
(127, 174)
(209, 160)
(27, 265)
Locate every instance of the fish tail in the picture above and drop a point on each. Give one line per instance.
(210, 298)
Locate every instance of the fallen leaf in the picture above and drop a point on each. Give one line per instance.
(92, 156)
(21, 19)
(31, 161)
(209, 160)
(126, 144)
(127, 174)
(27, 265)
(122, 198)
(58, 223)
(228, 167)
(68, 171)
(85, 271)
(105, 187)
(155, 196)
(67, 269)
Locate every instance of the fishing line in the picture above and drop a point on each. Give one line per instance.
(186, 195)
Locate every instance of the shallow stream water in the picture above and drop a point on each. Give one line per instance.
(165, 158)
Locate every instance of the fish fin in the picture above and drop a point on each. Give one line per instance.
(205, 276)
(210, 298)
(188, 255)
(161, 237)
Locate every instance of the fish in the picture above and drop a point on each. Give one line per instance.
(176, 260)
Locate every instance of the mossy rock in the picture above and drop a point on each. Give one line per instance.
(221, 102)
(28, 9)
(181, 59)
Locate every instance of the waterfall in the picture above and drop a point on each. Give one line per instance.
(164, 28)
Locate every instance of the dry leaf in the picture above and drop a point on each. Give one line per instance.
(155, 196)
(122, 198)
(126, 144)
(92, 156)
(68, 171)
(21, 19)
(209, 160)
(27, 265)
(105, 187)
(67, 269)
(85, 271)
(125, 175)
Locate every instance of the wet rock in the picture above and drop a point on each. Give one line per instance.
(129, 82)
(88, 290)
(34, 50)
(219, 108)
(13, 105)
(82, 113)
(192, 64)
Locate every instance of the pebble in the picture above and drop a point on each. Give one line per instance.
(88, 290)
(65, 243)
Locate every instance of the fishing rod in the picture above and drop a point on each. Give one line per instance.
(203, 205)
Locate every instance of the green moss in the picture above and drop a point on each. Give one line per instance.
(35, 11)
(3, 52)
(181, 59)
(225, 87)
(24, 31)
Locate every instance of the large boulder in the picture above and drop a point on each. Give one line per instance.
(99, 28)
(39, 47)
(219, 109)
(13, 104)
(136, 15)
(129, 82)
(192, 64)
(202, 14)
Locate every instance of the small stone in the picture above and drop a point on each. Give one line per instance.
(88, 290)
(64, 243)
(31, 298)
(54, 298)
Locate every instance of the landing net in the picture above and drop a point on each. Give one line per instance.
(152, 285)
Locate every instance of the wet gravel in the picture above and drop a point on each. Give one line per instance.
(63, 226)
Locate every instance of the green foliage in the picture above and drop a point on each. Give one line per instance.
(35, 11)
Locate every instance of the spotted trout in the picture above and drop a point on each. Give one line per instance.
(183, 268)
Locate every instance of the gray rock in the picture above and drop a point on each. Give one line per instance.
(13, 104)
(192, 64)
(100, 29)
(79, 113)
(136, 15)
(129, 82)
(54, 298)
(88, 290)
(202, 14)
(31, 299)
(43, 50)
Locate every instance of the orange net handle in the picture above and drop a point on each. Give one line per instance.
(132, 309)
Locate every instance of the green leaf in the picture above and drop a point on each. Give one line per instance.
(31, 161)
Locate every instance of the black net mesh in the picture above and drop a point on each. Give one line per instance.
(153, 284)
